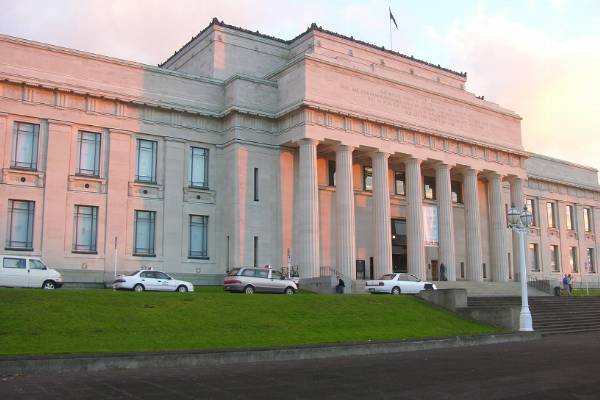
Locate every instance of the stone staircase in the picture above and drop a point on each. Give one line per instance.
(490, 289)
(551, 315)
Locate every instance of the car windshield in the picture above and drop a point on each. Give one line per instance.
(233, 272)
(132, 273)
(388, 277)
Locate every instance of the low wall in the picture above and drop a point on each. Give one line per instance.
(323, 285)
(450, 299)
(506, 317)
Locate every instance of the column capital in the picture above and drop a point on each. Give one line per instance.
(470, 171)
(308, 141)
(344, 147)
(442, 165)
(378, 153)
(492, 175)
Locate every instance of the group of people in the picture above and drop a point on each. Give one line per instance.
(567, 282)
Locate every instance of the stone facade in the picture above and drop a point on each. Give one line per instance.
(244, 149)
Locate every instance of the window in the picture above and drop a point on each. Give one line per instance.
(20, 225)
(462, 269)
(531, 207)
(573, 259)
(198, 236)
(590, 262)
(533, 257)
(19, 263)
(554, 258)
(456, 188)
(25, 146)
(161, 275)
(551, 215)
(276, 275)
(399, 180)
(199, 167)
(89, 153)
(85, 229)
(587, 219)
(429, 188)
(255, 184)
(331, 173)
(368, 179)
(36, 264)
(570, 220)
(255, 251)
(144, 233)
(146, 161)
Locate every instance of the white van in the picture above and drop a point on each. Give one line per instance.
(27, 271)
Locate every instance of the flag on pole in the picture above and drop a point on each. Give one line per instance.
(392, 18)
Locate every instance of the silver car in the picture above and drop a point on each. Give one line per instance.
(250, 280)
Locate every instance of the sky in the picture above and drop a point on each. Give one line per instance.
(540, 58)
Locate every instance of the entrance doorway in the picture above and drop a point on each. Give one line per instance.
(399, 251)
(434, 271)
(360, 269)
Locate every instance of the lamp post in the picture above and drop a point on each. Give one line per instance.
(519, 222)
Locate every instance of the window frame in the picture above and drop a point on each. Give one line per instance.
(569, 217)
(367, 173)
(402, 179)
(535, 248)
(555, 257)
(459, 193)
(97, 153)
(331, 170)
(531, 202)
(551, 214)
(30, 210)
(35, 143)
(151, 251)
(203, 253)
(433, 188)
(574, 259)
(154, 148)
(587, 220)
(93, 247)
(591, 258)
(204, 159)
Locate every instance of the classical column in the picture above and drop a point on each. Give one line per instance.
(414, 219)
(517, 200)
(498, 261)
(382, 228)
(344, 196)
(472, 226)
(445, 220)
(308, 209)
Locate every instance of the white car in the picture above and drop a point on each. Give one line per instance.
(26, 271)
(151, 280)
(398, 283)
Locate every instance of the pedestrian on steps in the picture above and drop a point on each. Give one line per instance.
(565, 283)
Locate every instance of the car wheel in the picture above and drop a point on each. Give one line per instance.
(182, 289)
(138, 288)
(289, 290)
(396, 291)
(49, 285)
(249, 289)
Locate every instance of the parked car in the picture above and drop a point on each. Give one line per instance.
(139, 281)
(251, 280)
(26, 271)
(398, 283)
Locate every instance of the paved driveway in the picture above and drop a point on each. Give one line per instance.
(559, 367)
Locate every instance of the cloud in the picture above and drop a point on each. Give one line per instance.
(554, 84)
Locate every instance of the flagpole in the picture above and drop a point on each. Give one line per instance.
(391, 44)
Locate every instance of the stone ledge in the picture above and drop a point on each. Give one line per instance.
(64, 364)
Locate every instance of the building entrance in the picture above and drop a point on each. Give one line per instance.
(399, 258)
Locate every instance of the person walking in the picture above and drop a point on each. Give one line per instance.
(565, 283)
(339, 289)
(570, 283)
(443, 272)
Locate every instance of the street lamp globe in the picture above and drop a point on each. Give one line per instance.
(526, 217)
(513, 216)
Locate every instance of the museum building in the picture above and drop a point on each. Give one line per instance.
(321, 152)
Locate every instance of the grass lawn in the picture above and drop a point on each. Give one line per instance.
(36, 321)
(583, 292)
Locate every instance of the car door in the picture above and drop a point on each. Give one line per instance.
(37, 272)
(147, 278)
(276, 282)
(164, 282)
(15, 272)
(262, 280)
(415, 284)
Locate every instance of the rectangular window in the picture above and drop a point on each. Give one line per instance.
(587, 219)
(462, 269)
(85, 229)
(89, 153)
(531, 208)
(146, 161)
(399, 180)
(429, 188)
(144, 233)
(551, 215)
(533, 257)
(255, 184)
(456, 188)
(255, 251)
(20, 225)
(484, 271)
(573, 259)
(25, 146)
(198, 236)
(554, 254)
(590, 261)
(368, 179)
(331, 172)
(199, 167)
(570, 219)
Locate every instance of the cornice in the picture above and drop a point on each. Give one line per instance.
(564, 183)
(569, 163)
